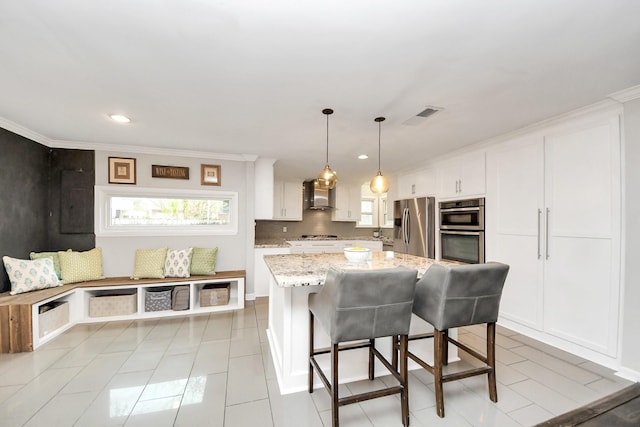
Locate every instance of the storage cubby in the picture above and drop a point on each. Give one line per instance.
(53, 316)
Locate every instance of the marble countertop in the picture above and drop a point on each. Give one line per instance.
(282, 242)
(311, 269)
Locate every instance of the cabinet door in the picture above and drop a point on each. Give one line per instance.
(448, 178)
(513, 211)
(292, 200)
(472, 175)
(581, 284)
(417, 184)
(287, 201)
(347, 204)
(278, 200)
(463, 176)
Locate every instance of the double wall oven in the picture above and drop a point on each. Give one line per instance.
(462, 230)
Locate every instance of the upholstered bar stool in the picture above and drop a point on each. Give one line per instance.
(455, 296)
(363, 305)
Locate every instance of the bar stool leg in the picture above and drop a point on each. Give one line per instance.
(372, 343)
(404, 375)
(438, 337)
(445, 348)
(334, 385)
(394, 352)
(491, 361)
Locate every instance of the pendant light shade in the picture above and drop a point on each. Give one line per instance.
(379, 184)
(327, 178)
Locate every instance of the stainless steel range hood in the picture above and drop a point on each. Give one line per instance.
(315, 197)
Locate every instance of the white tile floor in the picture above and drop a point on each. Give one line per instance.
(216, 370)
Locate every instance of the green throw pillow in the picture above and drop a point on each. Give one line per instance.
(203, 261)
(149, 264)
(26, 275)
(52, 255)
(80, 266)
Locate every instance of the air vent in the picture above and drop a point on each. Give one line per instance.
(422, 115)
(427, 112)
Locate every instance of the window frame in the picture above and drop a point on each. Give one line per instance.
(103, 195)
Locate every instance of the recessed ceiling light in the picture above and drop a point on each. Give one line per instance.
(120, 118)
(363, 157)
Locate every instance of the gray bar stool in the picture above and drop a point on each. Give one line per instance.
(455, 296)
(363, 305)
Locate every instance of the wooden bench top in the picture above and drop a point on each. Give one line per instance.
(34, 297)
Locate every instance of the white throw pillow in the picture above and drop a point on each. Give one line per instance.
(178, 263)
(26, 275)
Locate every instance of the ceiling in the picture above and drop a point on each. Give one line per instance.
(252, 76)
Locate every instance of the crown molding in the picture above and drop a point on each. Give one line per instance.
(24, 132)
(626, 95)
(97, 146)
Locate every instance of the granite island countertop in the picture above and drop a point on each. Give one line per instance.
(311, 269)
(282, 242)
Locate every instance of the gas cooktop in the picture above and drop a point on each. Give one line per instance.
(319, 236)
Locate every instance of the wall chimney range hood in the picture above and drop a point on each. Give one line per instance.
(315, 197)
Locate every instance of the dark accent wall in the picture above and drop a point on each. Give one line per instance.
(30, 198)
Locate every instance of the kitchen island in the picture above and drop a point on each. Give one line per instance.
(293, 278)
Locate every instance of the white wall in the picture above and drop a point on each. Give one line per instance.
(119, 252)
(630, 351)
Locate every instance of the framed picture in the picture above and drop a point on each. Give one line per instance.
(122, 170)
(210, 174)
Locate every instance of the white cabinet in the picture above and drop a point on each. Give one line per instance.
(553, 207)
(263, 176)
(261, 272)
(346, 203)
(287, 201)
(416, 184)
(461, 177)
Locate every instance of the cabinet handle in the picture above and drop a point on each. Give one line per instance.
(547, 235)
(539, 231)
(460, 186)
(285, 211)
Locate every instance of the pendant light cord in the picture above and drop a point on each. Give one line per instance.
(379, 120)
(327, 138)
(379, 132)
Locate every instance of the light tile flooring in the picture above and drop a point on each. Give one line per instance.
(216, 370)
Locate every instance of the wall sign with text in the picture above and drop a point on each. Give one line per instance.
(174, 172)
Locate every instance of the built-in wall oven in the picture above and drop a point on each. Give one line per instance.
(462, 230)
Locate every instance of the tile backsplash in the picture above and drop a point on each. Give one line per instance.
(313, 222)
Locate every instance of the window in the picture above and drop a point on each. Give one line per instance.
(387, 220)
(367, 209)
(160, 212)
(373, 209)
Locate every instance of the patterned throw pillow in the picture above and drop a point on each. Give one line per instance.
(149, 263)
(203, 261)
(26, 275)
(178, 263)
(53, 255)
(80, 266)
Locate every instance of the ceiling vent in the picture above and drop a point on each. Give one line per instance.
(422, 115)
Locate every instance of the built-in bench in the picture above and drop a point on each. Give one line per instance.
(20, 314)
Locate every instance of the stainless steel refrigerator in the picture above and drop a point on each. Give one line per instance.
(414, 226)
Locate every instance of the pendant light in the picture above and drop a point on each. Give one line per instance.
(327, 178)
(379, 184)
